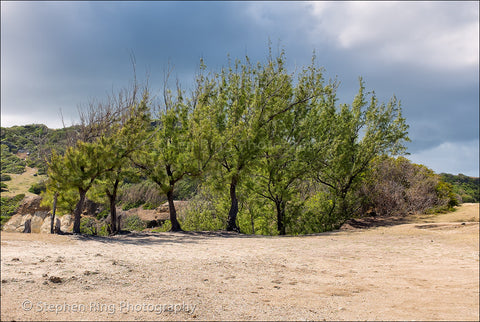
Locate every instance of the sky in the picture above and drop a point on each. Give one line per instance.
(59, 56)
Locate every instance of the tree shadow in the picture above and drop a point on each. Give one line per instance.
(162, 238)
(375, 221)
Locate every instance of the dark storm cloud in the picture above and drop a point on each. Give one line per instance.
(57, 55)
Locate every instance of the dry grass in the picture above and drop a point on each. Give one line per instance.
(20, 183)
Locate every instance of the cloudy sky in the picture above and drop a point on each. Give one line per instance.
(56, 56)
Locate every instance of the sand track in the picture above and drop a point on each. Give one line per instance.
(427, 269)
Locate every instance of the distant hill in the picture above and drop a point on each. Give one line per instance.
(466, 187)
(30, 145)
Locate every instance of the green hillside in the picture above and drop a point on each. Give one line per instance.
(466, 187)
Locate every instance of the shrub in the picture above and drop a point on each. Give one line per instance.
(5, 177)
(140, 193)
(103, 231)
(38, 188)
(398, 186)
(167, 225)
(150, 206)
(134, 223)
(131, 205)
(103, 214)
(88, 226)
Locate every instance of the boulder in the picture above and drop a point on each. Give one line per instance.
(30, 205)
(66, 223)
(14, 223)
(45, 229)
(92, 208)
(36, 224)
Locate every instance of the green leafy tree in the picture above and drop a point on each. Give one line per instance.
(346, 140)
(246, 98)
(125, 137)
(170, 155)
(279, 166)
(79, 168)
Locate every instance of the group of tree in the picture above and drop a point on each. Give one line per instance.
(271, 151)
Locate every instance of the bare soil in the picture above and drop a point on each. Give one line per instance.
(423, 268)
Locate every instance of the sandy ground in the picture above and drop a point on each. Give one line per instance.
(427, 269)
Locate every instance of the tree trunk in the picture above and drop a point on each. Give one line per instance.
(173, 212)
(112, 197)
(112, 227)
(280, 217)
(78, 211)
(252, 222)
(232, 214)
(52, 228)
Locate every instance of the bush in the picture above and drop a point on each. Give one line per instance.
(103, 231)
(38, 188)
(88, 226)
(131, 205)
(150, 206)
(103, 214)
(3, 187)
(9, 206)
(134, 223)
(167, 225)
(140, 193)
(5, 177)
(398, 187)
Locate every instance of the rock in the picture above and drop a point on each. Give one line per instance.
(30, 205)
(45, 229)
(14, 222)
(36, 224)
(55, 279)
(66, 223)
(92, 208)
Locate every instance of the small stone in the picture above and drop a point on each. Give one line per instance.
(15, 259)
(55, 279)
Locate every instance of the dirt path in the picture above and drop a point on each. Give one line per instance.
(416, 271)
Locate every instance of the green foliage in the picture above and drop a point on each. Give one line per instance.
(103, 214)
(103, 231)
(9, 206)
(468, 188)
(131, 205)
(203, 213)
(149, 206)
(66, 200)
(10, 163)
(38, 188)
(3, 186)
(145, 191)
(134, 223)
(5, 177)
(254, 148)
(167, 226)
(88, 226)
(37, 141)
